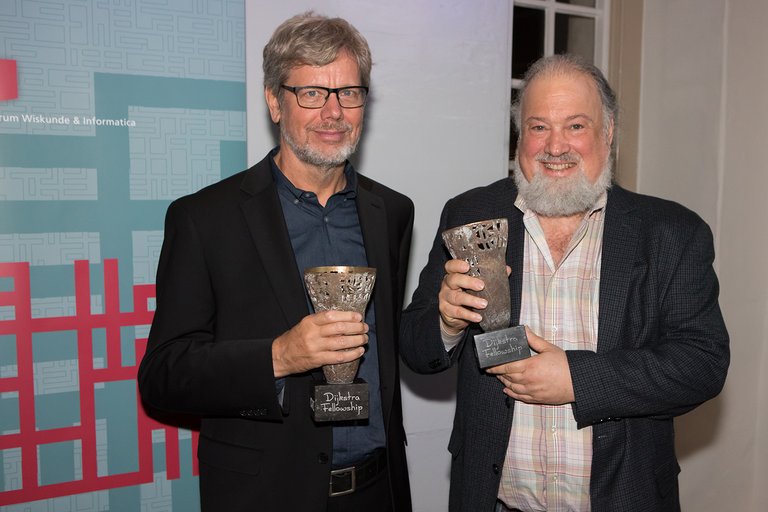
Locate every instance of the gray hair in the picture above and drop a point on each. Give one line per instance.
(564, 64)
(309, 39)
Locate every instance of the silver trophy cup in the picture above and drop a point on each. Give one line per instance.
(341, 288)
(483, 245)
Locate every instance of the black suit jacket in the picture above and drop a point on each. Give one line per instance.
(227, 286)
(662, 350)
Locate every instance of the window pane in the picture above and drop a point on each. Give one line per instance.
(575, 34)
(586, 3)
(527, 39)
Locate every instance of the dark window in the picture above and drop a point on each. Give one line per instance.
(527, 39)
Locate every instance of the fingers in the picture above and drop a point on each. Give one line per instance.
(543, 378)
(513, 368)
(329, 337)
(345, 356)
(457, 306)
(332, 316)
(339, 330)
(456, 277)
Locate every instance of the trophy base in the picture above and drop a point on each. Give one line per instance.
(503, 346)
(340, 402)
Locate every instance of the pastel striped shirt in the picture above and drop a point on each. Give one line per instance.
(548, 461)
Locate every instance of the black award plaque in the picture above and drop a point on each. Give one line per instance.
(340, 402)
(483, 245)
(502, 346)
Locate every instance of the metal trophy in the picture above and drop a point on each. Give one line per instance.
(483, 245)
(341, 397)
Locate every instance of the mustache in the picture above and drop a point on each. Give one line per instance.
(340, 126)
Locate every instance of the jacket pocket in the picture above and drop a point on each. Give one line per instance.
(230, 457)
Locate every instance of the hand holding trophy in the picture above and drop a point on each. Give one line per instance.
(340, 288)
(483, 245)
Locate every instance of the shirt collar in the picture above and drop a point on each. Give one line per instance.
(349, 190)
(599, 204)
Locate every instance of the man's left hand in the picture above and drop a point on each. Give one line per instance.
(543, 378)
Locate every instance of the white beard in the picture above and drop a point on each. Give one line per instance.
(308, 154)
(562, 197)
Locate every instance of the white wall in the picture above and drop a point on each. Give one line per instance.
(436, 126)
(743, 247)
(703, 134)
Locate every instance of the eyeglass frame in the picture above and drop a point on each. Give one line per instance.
(330, 90)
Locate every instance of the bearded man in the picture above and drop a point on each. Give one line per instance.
(234, 340)
(620, 303)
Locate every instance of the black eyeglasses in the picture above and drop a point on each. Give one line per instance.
(314, 96)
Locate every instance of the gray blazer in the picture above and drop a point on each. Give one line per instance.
(662, 350)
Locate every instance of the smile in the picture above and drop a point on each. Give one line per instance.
(558, 167)
(331, 135)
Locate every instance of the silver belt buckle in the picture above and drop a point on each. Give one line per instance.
(337, 472)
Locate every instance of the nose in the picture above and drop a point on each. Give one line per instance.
(332, 108)
(557, 144)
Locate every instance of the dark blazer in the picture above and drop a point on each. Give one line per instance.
(662, 350)
(227, 286)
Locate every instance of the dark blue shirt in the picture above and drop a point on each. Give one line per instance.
(331, 236)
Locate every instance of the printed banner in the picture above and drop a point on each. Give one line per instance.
(108, 111)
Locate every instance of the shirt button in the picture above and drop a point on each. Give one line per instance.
(325, 219)
(322, 458)
(496, 469)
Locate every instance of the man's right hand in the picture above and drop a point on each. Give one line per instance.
(455, 304)
(329, 337)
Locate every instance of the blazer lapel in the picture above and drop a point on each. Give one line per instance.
(505, 208)
(373, 224)
(620, 239)
(263, 214)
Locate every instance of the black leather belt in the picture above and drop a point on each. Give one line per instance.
(348, 480)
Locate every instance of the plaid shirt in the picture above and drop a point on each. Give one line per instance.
(548, 461)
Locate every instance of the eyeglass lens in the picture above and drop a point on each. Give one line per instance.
(315, 97)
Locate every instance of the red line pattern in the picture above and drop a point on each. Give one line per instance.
(28, 439)
(9, 88)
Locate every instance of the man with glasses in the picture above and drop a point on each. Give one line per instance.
(234, 340)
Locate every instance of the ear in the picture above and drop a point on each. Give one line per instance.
(273, 104)
(609, 134)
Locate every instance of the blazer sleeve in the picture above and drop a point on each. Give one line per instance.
(421, 343)
(186, 368)
(674, 351)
